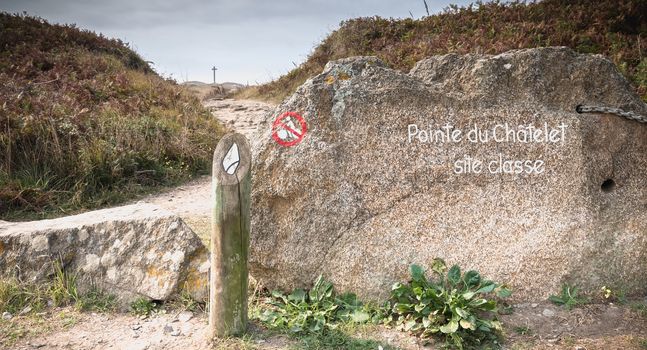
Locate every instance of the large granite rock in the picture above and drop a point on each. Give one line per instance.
(366, 194)
(132, 251)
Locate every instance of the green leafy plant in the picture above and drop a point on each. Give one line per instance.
(313, 311)
(522, 330)
(640, 308)
(569, 297)
(453, 306)
(613, 294)
(187, 302)
(16, 296)
(96, 299)
(63, 289)
(142, 306)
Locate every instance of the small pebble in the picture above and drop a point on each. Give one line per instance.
(6, 315)
(135, 327)
(25, 311)
(185, 316)
(534, 305)
(548, 313)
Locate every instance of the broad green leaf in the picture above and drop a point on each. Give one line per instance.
(486, 288)
(350, 299)
(468, 295)
(450, 327)
(417, 273)
(557, 300)
(489, 305)
(409, 325)
(360, 316)
(504, 293)
(472, 278)
(401, 308)
(462, 313)
(298, 295)
(454, 275)
(465, 324)
(477, 302)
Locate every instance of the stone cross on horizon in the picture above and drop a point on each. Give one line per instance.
(214, 69)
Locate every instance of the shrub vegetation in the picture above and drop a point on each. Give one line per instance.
(616, 29)
(458, 308)
(85, 121)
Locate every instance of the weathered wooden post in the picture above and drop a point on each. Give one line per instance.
(231, 176)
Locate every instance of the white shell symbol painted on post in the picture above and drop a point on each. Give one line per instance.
(231, 160)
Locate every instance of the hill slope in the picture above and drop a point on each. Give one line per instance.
(84, 121)
(616, 29)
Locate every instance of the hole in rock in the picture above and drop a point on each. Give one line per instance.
(608, 185)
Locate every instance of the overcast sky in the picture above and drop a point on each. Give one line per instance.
(248, 41)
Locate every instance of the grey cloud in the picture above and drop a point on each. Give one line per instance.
(248, 40)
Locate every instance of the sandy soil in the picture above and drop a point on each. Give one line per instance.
(544, 326)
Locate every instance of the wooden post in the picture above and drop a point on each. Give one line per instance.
(231, 189)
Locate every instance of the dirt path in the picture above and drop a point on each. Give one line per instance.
(531, 326)
(191, 201)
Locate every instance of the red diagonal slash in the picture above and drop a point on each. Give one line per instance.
(280, 123)
(294, 132)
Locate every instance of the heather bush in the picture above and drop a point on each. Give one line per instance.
(615, 29)
(85, 121)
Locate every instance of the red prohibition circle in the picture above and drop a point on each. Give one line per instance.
(281, 124)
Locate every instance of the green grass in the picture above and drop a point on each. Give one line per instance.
(31, 302)
(640, 308)
(569, 297)
(85, 122)
(143, 307)
(342, 338)
(616, 29)
(522, 330)
(17, 297)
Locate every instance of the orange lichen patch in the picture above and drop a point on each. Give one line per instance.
(153, 272)
(343, 76)
(196, 282)
(1, 247)
(330, 80)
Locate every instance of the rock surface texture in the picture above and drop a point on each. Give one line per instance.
(133, 251)
(359, 200)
